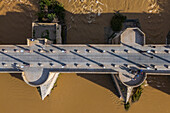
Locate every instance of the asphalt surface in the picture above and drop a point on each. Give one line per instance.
(83, 56)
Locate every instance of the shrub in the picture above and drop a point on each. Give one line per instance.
(58, 9)
(45, 2)
(51, 17)
(41, 15)
(42, 5)
(117, 21)
(137, 94)
(127, 106)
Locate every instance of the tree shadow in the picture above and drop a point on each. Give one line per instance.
(161, 82)
(16, 26)
(95, 30)
(104, 80)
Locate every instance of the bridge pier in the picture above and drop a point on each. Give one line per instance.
(40, 58)
(117, 86)
(47, 87)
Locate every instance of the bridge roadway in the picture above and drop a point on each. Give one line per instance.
(83, 58)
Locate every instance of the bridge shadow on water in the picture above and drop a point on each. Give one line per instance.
(17, 76)
(104, 80)
(16, 28)
(161, 82)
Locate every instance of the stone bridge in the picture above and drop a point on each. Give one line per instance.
(39, 61)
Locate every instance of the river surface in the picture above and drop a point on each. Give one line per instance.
(76, 94)
(86, 23)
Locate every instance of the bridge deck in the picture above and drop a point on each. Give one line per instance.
(84, 59)
(83, 56)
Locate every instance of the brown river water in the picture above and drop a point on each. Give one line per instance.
(76, 93)
(86, 23)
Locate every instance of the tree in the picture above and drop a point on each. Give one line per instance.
(51, 16)
(117, 21)
(41, 15)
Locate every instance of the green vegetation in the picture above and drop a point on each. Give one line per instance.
(45, 34)
(135, 97)
(137, 94)
(117, 21)
(52, 11)
(49, 10)
(127, 106)
(41, 16)
(51, 16)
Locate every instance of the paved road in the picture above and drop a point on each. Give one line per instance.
(83, 56)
